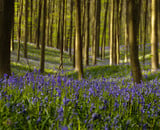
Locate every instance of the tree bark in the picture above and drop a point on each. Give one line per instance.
(42, 61)
(39, 24)
(87, 35)
(154, 37)
(26, 28)
(78, 46)
(6, 18)
(134, 14)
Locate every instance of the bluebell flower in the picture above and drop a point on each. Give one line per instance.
(28, 117)
(39, 120)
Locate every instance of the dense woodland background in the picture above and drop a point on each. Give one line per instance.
(82, 28)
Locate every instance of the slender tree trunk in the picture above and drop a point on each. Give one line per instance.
(78, 39)
(42, 61)
(145, 30)
(98, 19)
(134, 14)
(87, 35)
(126, 32)
(12, 31)
(31, 7)
(154, 37)
(59, 28)
(94, 42)
(62, 34)
(52, 21)
(104, 33)
(39, 24)
(71, 25)
(26, 28)
(6, 18)
(74, 49)
(112, 33)
(19, 31)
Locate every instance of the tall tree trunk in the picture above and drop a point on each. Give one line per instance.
(78, 39)
(62, 34)
(19, 31)
(12, 31)
(112, 33)
(145, 30)
(126, 32)
(154, 37)
(98, 19)
(31, 7)
(71, 25)
(104, 33)
(52, 21)
(59, 28)
(6, 18)
(74, 49)
(39, 24)
(42, 61)
(26, 28)
(87, 35)
(94, 37)
(134, 14)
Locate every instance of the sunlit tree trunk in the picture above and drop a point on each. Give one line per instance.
(112, 33)
(78, 46)
(154, 36)
(134, 14)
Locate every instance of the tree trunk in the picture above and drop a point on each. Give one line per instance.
(154, 37)
(26, 28)
(71, 25)
(98, 19)
(19, 31)
(87, 35)
(39, 24)
(134, 14)
(104, 33)
(6, 18)
(94, 37)
(59, 28)
(62, 34)
(31, 7)
(42, 61)
(112, 33)
(145, 30)
(126, 33)
(78, 46)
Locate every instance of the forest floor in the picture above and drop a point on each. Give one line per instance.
(52, 62)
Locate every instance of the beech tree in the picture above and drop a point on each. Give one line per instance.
(78, 46)
(133, 20)
(6, 18)
(154, 36)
